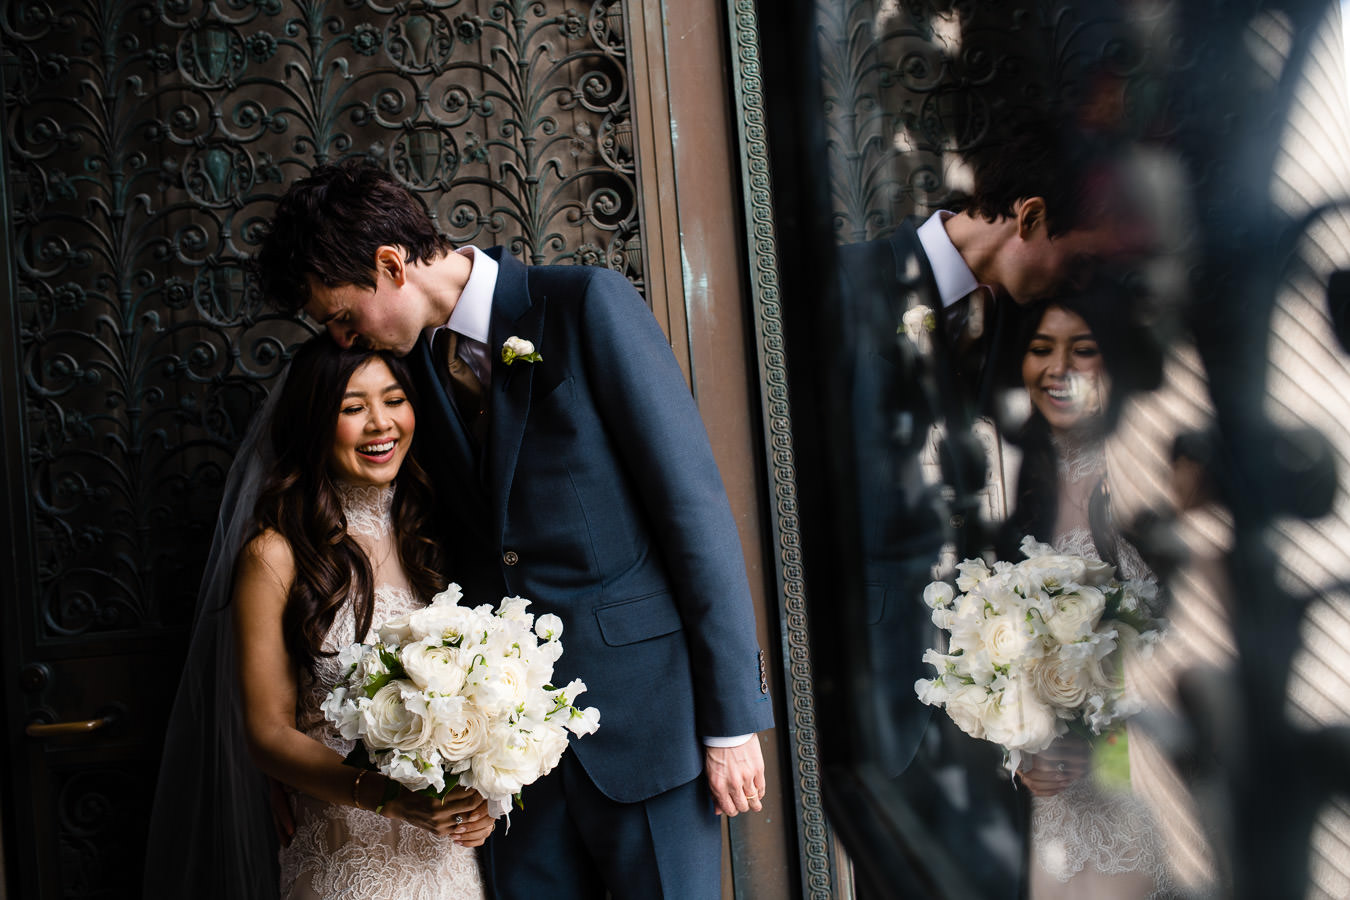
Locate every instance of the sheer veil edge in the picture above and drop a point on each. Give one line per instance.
(211, 834)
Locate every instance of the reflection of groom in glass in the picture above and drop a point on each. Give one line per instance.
(1041, 217)
(574, 471)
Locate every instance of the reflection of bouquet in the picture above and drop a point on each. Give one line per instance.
(456, 696)
(1035, 647)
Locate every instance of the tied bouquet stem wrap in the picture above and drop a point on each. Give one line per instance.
(1035, 648)
(457, 696)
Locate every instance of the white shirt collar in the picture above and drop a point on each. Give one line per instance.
(954, 278)
(473, 311)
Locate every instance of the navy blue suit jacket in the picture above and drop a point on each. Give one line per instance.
(596, 497)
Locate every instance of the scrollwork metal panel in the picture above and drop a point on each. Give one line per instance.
(145, 141)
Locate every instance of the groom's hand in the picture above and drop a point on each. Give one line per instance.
(736, 777)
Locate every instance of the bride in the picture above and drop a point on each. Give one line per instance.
(335, 546)
(1091, 835)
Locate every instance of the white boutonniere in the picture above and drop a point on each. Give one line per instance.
(918, 323)
(518, 349)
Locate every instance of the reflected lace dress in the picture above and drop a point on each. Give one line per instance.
(1094, 841)
(349, 853)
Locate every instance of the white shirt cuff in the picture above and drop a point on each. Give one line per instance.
(727, 741)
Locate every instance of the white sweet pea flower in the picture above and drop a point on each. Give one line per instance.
(971, 572)
(344, 714)
(413, 771)
(583, 721)
(938, 595)
(513, 609)
(548, 627)
(452, 595)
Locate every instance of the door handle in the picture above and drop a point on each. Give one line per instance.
(56, 729)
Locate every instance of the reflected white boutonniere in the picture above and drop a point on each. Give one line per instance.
(518, 349)
(918, 323)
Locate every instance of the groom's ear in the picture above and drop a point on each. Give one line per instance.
(1030, 212)
(389, 261)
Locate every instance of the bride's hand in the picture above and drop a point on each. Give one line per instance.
(462, 813)
(1056, 767)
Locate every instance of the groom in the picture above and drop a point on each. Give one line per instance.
(574, 470)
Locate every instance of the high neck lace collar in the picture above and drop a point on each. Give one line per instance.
(367, 508)
(1080, 454)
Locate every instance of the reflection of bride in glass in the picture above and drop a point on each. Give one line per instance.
(1091, 835)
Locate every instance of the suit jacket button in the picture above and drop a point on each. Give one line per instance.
(510, 557)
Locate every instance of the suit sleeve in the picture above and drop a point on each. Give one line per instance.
(647, 408)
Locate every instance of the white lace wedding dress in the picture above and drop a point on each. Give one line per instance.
(345, 853)
(1094, 841)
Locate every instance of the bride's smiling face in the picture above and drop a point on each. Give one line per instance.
(1062, 370)
(375, 425)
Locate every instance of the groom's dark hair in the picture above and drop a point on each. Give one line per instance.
(1076, 174)
(330, 224)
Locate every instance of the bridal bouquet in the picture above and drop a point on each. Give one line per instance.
(1035, 647)
(452, 695)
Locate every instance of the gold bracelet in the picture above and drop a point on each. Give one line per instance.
(356, 784)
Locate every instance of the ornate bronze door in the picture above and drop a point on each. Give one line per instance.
(143, 143)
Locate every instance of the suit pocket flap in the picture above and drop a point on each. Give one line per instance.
(640, 619)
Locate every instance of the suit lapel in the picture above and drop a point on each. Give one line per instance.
(514, 314)
(439, 426)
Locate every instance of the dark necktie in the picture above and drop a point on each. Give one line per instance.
(460, 381)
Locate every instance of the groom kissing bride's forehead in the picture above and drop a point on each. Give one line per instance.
(630, 543)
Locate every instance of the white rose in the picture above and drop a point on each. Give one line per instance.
(458, 730)
(507, 763)
(497, 686)
(1061, 683)
(433, 666)
(1017, 719)
(518, 346)
(1009, 639)
(918, 322)
(1097, 573)
(369, 667)
(392, 719)
(395, 633)
(966, 705)
(442, 621)
(1074, 615)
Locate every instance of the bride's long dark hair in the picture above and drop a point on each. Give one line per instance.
(300, 502)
